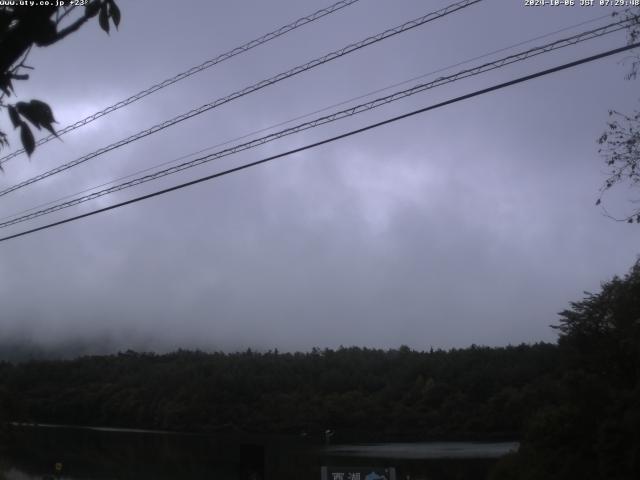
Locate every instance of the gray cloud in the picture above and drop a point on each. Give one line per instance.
(471, 224)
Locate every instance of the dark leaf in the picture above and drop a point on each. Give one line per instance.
(3, 143)
(25, 110)
(43, 111)
(28, 142)
(44, 114)
(630, 220)
(52, 130)
(598, 202)
(6, 86)
(114, 12)
(38, 113)
(14, 116)
(92, 9)
(103, 19)
(45, 33)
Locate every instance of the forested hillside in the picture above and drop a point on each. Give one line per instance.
(575, 405)
(592, 430)
(362, 393)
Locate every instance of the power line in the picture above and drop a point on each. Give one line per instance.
(332, 139)
(300, 117)
(192, 71)
(258, 86)
(500, 63)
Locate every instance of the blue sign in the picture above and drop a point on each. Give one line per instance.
(357, 473)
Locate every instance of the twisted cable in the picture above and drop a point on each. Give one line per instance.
(192, 71)
(486, 67)
(245, 91)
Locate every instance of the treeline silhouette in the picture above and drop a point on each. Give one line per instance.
(477, 392)
(574, 405)
(590, 428)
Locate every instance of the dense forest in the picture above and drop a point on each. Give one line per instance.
(470, 393)
(592, 429)
(575, 404)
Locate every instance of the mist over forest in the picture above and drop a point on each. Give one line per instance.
(420, 227)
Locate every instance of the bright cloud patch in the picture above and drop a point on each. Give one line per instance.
(383, 186)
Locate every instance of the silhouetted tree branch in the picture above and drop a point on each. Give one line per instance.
(22, 27)
(620, 143)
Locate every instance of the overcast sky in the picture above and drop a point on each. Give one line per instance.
(473, 223)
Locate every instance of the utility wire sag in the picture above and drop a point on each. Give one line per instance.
(300, 117)
(192, 71)
(333, 139)
(245, 91)
(500, 63)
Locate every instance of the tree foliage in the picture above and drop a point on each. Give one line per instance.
(21, 28)
(620, 146)
(574, 405)
(477, 392)
(620, 143)
(603, 330)
(592, 430)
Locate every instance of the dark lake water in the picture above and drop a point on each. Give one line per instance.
(84, 454)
